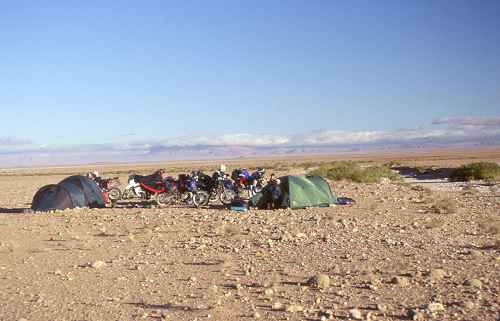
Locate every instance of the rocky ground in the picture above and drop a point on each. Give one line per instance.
(402, 252)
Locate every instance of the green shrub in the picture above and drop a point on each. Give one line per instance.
(473, 171)
(349, 170)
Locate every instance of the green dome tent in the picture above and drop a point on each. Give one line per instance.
(299, 192)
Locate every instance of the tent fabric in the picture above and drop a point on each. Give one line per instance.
(91, 192)
(299, 192)
(73, 191)
(51, 197)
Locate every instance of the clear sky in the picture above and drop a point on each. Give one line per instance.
(89, 72)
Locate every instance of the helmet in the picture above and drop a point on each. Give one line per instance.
(278, 181)
(222, 168)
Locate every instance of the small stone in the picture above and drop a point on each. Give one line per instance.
(401, 281)
(58, 272)
(320, 281)
(193, 279)
(325, 315)
(475, 253)
(294, 308)
(468, 305)
(382, 307)
(98, 264)
(269, 292)
(356, 314)
(277, 306)
(437, 275)
(301, 235)
(256, 315)
(416, 315)
(476, 283)
(434, 307)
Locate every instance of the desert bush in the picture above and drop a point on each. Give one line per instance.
(444, 206)
(472, 171)
(308, 165)
(349, 170)
(490, 226)
(434, 223)
(392, 164)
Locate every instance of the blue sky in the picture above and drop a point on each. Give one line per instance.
(93, 72)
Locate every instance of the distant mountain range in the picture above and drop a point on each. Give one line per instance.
(190, 152)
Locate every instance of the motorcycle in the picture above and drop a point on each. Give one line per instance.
(109, 186)
(185, 190)
(228, 190)
(253, 183)
(148, 188)
(218, 187)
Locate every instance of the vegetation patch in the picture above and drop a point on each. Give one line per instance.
(352, 171)
(444, 206)
(476, 171)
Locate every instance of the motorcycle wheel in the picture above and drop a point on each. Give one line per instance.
(187, 198)
(114, 194)
(259, 188)
(128, 194)
(164, 198)
(226, 197)
(200, 198)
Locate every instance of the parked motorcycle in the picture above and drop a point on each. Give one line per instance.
(228, 190)
(148, 188)
(110, 187)
(253, 183)
(185, 190)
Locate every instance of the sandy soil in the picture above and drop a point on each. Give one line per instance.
(400, 253)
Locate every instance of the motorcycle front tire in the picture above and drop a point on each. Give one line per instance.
(226, 197)
(115, 194)
(200, 198)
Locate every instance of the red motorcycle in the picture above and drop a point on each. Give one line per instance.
(110, 190)
(151, 187)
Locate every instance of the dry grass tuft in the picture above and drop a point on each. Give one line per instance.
(231, 230)
(490, 226)
(444, 206)
(352, 171)
(476, 171)
(434, 223)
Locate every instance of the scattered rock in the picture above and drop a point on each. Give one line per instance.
(434, 307)
(401, 281)
(277, 306)
(294, 308)
(476, 283)
(437, 275)
(98, 264)
(382, 307)
(356, 314)
(325, 315)
(320, 281)
(469, 305)
(416, 315)
(269, 292)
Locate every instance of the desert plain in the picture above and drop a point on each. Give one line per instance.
(413, 250)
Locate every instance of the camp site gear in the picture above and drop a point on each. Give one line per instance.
(74, 191)
(297, 192)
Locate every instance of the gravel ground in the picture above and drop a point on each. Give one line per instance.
(402, 252)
